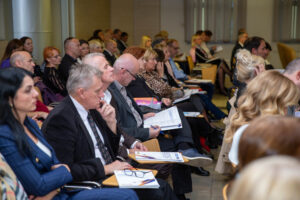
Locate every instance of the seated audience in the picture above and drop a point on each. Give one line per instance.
(110, 50)
(116, 34)
(248, 66)
(85, 135)
(72, 52)
(146, 42)
(84, 48)
(29, 155)
(12, 46)
(275, 177)
(270, 93)
(131, 119)
(108, 34)
(199, 55)
(269, 49)
(51, 76)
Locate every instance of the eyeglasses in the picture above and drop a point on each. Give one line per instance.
(57, 56)
(136, 173)
(133, 75)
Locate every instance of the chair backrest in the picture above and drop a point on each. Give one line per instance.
(152, 145)
(286, 54)
(210, 73)
(190, 63)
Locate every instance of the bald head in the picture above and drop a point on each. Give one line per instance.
(72, 47)
(22, 59)
(125, 69)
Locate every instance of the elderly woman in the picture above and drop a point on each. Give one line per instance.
(27, 152)
(96, 46)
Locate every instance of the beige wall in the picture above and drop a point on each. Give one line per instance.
(122, 17)
(91, 15)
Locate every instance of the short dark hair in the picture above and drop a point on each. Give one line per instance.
(81, 41)
(67, 40)
(268, 46)
(253, 42)
(116, 31)
(208, 33)
(199, 32)
(124, 34)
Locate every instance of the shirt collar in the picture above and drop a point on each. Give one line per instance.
(118, 85)
(81, 110)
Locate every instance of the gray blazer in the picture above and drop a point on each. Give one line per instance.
(125, 117)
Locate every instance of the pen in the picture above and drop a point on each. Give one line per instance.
(146, 181)
(161, 132)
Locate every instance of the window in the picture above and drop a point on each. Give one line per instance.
(286, 21)
(222, 17)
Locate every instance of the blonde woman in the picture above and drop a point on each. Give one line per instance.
(248, 67)
(270, 93)
(146, 42)
(96, 46)
(281, 180)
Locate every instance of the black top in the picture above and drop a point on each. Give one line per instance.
(53, 81)
(234, 51)
(65, 67)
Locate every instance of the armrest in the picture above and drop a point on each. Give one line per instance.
(82, 185)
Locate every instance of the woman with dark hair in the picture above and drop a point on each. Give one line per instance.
(12, 46)
(27, 152)
(97, 35)
(84, 48)
(28, 46)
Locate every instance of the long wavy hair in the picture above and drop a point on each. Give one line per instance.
(11, 80)
(270, 93)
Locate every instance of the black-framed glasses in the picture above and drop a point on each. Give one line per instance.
(133, 75)
(136, 173)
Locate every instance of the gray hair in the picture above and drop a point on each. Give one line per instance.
(292, 66)
(87, 58)
(81, 76)
(18, 55)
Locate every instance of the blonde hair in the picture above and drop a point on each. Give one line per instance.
(148, 54)
(144, 40)
(94, 44)
(270, 93)
(274, 177)
(247, 64)
(193, 40)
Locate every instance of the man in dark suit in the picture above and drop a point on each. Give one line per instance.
(110, 50)
(72, 52)
(85, 134)
(121, 43)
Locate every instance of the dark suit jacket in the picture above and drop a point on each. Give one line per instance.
(110, 58)
(66, 132)
(121, 46)
(233, 56)
(125, 117)
(34, 170)
(65, 67)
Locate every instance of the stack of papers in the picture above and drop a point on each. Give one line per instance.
(158, 156)
(167, 120)
(187, 94)
(128, 179)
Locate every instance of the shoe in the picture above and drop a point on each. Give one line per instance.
(200, 171)
(195, 158)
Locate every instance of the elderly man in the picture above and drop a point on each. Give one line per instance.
(22, 59)
(110, 50)
(72, 52)
(83, 131)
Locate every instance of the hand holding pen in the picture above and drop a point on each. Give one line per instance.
(154, 131)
